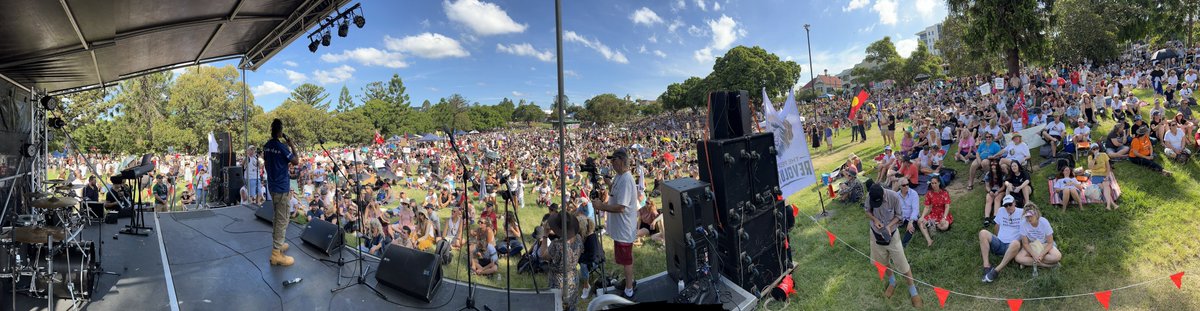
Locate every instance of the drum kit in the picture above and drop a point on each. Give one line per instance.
(43, 255)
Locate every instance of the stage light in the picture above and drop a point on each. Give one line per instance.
(359, 21)
(312, 46)
(49, 103)
(325, 39)
(343, 28)
(57, 123)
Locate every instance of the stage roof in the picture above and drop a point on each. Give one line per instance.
(72, 45)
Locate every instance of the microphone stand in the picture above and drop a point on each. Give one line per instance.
(337, 166)
(462, 162)
(361, 280)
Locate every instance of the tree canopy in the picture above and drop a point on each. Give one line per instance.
(741, 68)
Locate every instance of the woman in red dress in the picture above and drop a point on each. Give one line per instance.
(937, 210)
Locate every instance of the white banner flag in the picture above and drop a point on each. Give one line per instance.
(794, 162)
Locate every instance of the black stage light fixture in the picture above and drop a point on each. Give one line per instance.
(49, 103)
(359, 21)
(312, 46)
(57, 123)
(344, 28)
(325, 39)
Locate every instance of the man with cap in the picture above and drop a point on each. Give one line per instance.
(1002, 243)
(1017, 151)
(160, 193)
(884, 210)
(621, 224)
(1142, 153)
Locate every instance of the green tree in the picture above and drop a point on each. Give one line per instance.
(920, 63)
(345, 102)
(965, 59)
(452, 112)
(141, 102)
(351, 127)
(649, 108)
(506, 109)
(1017, 28)
(607, 108)
(210, 99)
(1082, 33)
(888, 64)
(487, 117)
(312, 95)
(529, 114)
(751, 69)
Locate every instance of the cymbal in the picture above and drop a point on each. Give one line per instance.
(54, 202)
(35, 235)
(68, 187)
(39, 194)
(55, 181)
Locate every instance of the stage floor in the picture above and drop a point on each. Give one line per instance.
(218, 260)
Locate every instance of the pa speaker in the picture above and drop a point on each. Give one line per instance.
(412, 272)
(324, 235)
(224, 142)
(729, 114)
(688, 221)
(232, 185)
(266, 212)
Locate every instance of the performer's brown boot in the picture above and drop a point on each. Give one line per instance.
(285, 247)
(278, 258)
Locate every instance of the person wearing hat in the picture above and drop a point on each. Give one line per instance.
(119, 197)
(561, 247)
(160, 191)
(987, 151)
(883, 209)
(1100, 168)
(1142, 153)
(1017, 151)
(1037, 240)
(621, 223)
(1082, 134)
(1008, 231)
(252, 175)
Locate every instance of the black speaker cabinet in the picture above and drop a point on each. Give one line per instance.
(410, 271)
(266, 212)
(729, 114)
(688, 221)
(224, 142)
(743, 172)
(232, 185)
(323, 235)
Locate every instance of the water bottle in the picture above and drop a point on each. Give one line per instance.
(680, 286)
(1035, 272)
(291, 282)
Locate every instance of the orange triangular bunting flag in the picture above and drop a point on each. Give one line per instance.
(1103, 298)
(1178, 279)
(942, 294)
(831, 237)
(1015, 304)
(882, 269)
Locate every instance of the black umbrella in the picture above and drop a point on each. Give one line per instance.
(1164, 54)
(921, 77)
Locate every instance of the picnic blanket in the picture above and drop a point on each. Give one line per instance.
(1056, 198)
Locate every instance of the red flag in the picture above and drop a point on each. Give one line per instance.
(831, 237)
(1103, 298)
(882, 269)
(1021, 110)
(1015, 304)
(857, 103)
(942, 294)
(378, 138)
(1178, 279)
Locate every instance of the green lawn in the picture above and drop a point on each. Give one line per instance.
(1148, 238)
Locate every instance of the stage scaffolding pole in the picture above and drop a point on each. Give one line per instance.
(562, 135)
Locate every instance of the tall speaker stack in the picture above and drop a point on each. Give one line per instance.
(750, 215)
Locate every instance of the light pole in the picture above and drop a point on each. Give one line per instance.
(812, 79)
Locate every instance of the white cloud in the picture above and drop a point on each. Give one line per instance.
(887, 11)
(645, 16)
(695, 31)
(290, 63)
(268, 88)
(570, 73)
(925, 8)
(425, 23)
(483, 18)
(724, 32)
(716, 6)
(642, 49)
(660, 53)
(525, 49)
(906, 47)
(427, 45)
(335, 75)
(653, 38)
(518, 94)
(368, 57)
(700, 4)
(678, 5)
(608, 53)
(675, 24)
(856, 4)
(295, 77)
(867, 29)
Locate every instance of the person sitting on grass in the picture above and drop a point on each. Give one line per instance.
(511, 245)
(1017, 151)
(1017, 182)
(1142, 153)
(995, 192)
(966, 146)
(1008, 231)
(453, 226)
(484, 256)
(373, 239)
(1116, 143)
(648, 216)
(937, 210)
(1068, 187)
(1174, 146)
(425, 233)
(885, 162)
(986, 151)
(1037, 240)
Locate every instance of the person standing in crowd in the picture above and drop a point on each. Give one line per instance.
(622, 219)
(202, 180)
(253, 179)
(277, 156)
(1008, 230)
(562, 253)
(160, 194)
(883, 209)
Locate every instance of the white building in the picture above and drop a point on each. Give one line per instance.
(930, 36)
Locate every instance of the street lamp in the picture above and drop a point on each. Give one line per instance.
(812, 79)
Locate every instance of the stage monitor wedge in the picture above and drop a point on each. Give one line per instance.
(412, 272)
(324, 235)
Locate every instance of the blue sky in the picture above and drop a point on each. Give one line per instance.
(491, 49)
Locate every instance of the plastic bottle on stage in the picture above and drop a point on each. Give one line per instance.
(292, 282)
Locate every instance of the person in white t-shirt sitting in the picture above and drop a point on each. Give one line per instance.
(1174, 146)
(1037, 240)
(1002, 243)
(1054, 130)
(1016, 151)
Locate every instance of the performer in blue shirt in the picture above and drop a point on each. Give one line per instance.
(276, 157)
